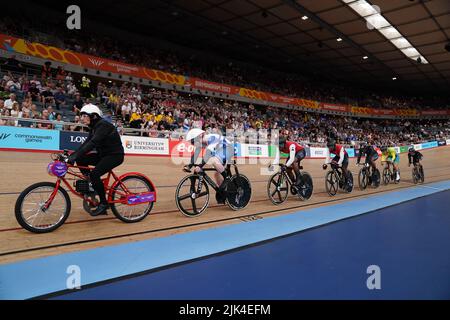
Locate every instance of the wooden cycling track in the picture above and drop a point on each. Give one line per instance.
(21, 169)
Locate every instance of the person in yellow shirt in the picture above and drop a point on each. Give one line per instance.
(159, 117)
(390, 155)
(136, 120)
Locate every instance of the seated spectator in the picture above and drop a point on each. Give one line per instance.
(78, 125)
(47, 96)
(58, 123)
(36, 82)
(77, 104)
(24, 123)
(46, 125)
(60, 73)
(60, 98)
(51, 114)
(46, 71)
(136, 120)
(9, 102)
(69, 77)
(34, 113)
(34, 92)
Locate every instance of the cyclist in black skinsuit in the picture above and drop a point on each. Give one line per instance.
(371, 156)
(414, 156)
(104, 137)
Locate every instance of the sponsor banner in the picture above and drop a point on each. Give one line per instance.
(434, 113)
(448, 142)
(351, 152)
(418, 146)
(406, 112)
(362, 110)
(308, 152)
(144, 145)
(397, 149)
(335, 107)
(383, 112)
(254, 150)
(404, 149)
(26, 138)
(200, 84)
(71, 140)
(181, 148)
(441, 143)
(318, 152)
(428, 145)
(273, 152)
(307, 103)
(237, 150)
(12, 44)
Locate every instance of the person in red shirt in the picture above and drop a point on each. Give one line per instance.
(296, 154)
(340, 157)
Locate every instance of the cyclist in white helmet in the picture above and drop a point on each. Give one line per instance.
(104, 138)
(219, 151)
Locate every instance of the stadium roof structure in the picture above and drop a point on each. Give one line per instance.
(326, 37)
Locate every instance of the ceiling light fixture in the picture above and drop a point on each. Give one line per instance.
(375, 20)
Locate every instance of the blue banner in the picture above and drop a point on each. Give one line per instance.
(26, 138)
(428, 145)
(71, 140)
(351, 152)
(442, 143)
(308, 152)
(237, 150)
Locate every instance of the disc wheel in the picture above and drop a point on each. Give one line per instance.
(306, 192)
(239, 192)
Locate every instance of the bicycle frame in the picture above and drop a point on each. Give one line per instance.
(108, 189)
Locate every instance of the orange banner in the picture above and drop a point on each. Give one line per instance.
(65, 56)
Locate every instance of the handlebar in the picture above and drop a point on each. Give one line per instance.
(60, 156)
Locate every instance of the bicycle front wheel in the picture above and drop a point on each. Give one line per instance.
(331, 183)
(191, 198)
(277, 188)
(362, 179)
(134, 185)
(386, 176)
(30, 209)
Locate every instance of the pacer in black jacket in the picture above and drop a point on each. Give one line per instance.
(104, 137)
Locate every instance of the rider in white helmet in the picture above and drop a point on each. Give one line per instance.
(104, 138)
(219, 151)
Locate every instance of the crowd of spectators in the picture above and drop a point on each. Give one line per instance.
(232, 73)
(161, 113)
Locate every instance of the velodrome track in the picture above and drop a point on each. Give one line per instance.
(21, 169)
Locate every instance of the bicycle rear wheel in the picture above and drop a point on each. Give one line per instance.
(306, 192)
(349, 186)
(132, 213)
(376, 179)
(31, 214)
(422, 175)
(277, 188)
(189, 201)
(239, 192)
